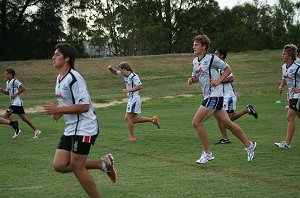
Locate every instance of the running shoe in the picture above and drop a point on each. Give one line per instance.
(250, 151)
(205, 157)
(15, 126)
(155, 121)
(283, 145)
(223, 141)
(251, 111)
(109, 167)
(36, 133)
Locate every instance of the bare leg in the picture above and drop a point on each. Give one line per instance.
(129, 123)
(26, 119)
(234, 128)
(223, 130)
(236, 115)
(4, 121)
(291, 125)
(201, 115)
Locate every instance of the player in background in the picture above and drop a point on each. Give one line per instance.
(13, 123)
(230, 99)
(134, 106)
(14, 88)
(291, 78)
(82, 128)
(206, 69)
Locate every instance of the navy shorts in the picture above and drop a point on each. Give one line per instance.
(77, 144)
(294, 104)
(213, 103)
(15, 110)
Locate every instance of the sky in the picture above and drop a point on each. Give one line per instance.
(231, 3)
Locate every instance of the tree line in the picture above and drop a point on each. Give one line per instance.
(29, 29)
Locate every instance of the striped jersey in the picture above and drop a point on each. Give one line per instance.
(207, 69)
(12, 87)
(291, 75)
(72, 89)
(131, 81)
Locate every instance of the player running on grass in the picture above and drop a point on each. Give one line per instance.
(133, 85)
(230, 100)
(291, 78)
(14, 88)
(206, 69)
(74, 103)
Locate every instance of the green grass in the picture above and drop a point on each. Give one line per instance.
(162, 162)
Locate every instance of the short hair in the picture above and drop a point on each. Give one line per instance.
(11, 71)
(298, 52)
(68, 51)
(291, 50)
(125, 65)
(204, 40)
(222, 51)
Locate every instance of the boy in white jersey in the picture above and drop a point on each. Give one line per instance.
(14, 88)
(81, 131)
(133, 85)
(206, 71)
(230, 100)
(291, 78)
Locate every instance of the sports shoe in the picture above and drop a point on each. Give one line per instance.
(155, 121)
(205, 158)
(36, 133)
(223, 141)
(283, 145)
(250, 151)
(108, 160)
(15, 125)
(132, 139)
(251, 111)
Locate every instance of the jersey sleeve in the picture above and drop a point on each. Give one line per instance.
(219, 64)
(80, 92)
(17, 83)
(136, 80)
(119, 74)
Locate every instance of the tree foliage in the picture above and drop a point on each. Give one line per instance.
(29, 29)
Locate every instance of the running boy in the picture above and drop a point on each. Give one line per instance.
(133, 85)
(74, 103)
(14, 88)
(230, 100)
(206, 71)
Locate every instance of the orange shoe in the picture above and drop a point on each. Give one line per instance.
(132, 139)
(155, 121)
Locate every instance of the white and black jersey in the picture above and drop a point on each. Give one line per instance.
(297, 61)
(131, 81)
(291, 75)
(72, 89)
(12, 87)
(207, 69)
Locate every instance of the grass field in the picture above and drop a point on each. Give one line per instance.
(162, 162)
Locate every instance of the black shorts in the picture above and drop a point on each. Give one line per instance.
(213, 103)
(294, 104)
(77, 144)
(15, 110)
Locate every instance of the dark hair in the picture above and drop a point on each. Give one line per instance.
(125, 66)
(68, 51)
(222, 51)
(11, 71)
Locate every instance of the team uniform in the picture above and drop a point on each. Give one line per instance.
(134, 104)
(16, 105)
(291, 75)
(297, 61)
(229, 96)
(205, 70)
(81, 129)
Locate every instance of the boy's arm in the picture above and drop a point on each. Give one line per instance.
(111, 69)
(4, 91)
(21, 90)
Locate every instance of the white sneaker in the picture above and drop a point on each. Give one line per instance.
(283, 145)
(36, 133)
(205, 157)
(250, 151)
(109, 167)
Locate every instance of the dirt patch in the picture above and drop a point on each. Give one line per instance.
(38, 109)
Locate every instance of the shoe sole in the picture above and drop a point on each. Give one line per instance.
(112, 169)
(15, 136)
(206, 161)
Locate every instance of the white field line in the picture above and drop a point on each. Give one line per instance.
(21, 188)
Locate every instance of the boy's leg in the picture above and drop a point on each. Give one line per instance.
(26, 119)
(236, 115)
(129, 123)
(234, 128)
(200, 116)
(291, 125)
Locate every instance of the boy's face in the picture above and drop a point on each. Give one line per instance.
(198, 48)
(285, 56)
(7, 75)
(58, 59)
